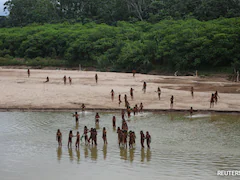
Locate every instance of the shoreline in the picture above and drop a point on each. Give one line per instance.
(112, 110)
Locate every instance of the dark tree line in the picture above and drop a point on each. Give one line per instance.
(23, 12)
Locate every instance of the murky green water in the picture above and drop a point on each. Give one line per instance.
(182, 148)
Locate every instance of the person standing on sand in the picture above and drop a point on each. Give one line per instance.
(216, 96)
(64, 80)
(70, 80)
(212, 101)
(171, 102)
(144, 87)
(28, 71)
(192, 92)
(59, 137)
(96, 78)
(112, 94)
(119, 99)
(159, 92)
(131, 93)
(141, 107)
(134, 72)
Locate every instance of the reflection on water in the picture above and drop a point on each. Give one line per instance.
(188, 147)
(59, 153)
(94, 152)
(131, 154)
(70, 154)
(123, 153)
(86, 152)
(104, 151)
(78, 154)
(97, 126)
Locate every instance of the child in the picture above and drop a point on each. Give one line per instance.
(114, 121)
(59, 137)
(97, 118)
(148, 138)
(70, 139)
(77, 140)
(104, 135)
(142, 138)
(76, 116)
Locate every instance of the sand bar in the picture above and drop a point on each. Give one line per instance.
(18, 92)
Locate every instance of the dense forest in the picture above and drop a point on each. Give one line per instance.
(121, 35)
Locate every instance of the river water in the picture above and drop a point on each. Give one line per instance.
(181, 148)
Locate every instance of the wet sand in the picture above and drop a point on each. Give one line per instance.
(18, 92)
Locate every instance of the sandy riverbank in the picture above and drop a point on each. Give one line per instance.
(20, 92)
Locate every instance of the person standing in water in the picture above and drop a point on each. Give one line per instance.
(148, 138)
(70, 136)
(191, 111)
(142, 138)
(59, 137)
(77, 140)
(112, 94)
(96, 78)
(94, 136)
(28, 72)
(64, 80)
(76, 115)
(171, 102)
(141, 107)
(97, 118)
(192, 92)
(104, 135)
(144, 87)
(114, 121)
(83, 107)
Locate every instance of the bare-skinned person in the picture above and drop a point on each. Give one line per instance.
(123, 114)
(47, 80)
(114, 121)
(83, 107)
(192, 92)
(119, 99)
(85, 132)
(77, 140)
(142, 138)
(96, 78)
(148, 138)
(59, 137)
(216, 96)
(159, 93)
(76, 115)
(94, 136)
(212, 100)
(64, 80)
(70, 80)
(171, 102)
(104, 135)
(119, 132)
(70, 136)
(97, 118)
(131, 93)
(28, 72)
(191, 111)
(141, 107)
(112, 94)
(144, 87)
(134, 72)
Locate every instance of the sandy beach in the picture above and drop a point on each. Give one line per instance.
(20, 92)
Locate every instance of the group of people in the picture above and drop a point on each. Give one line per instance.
(214, 99)
(124, 136)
